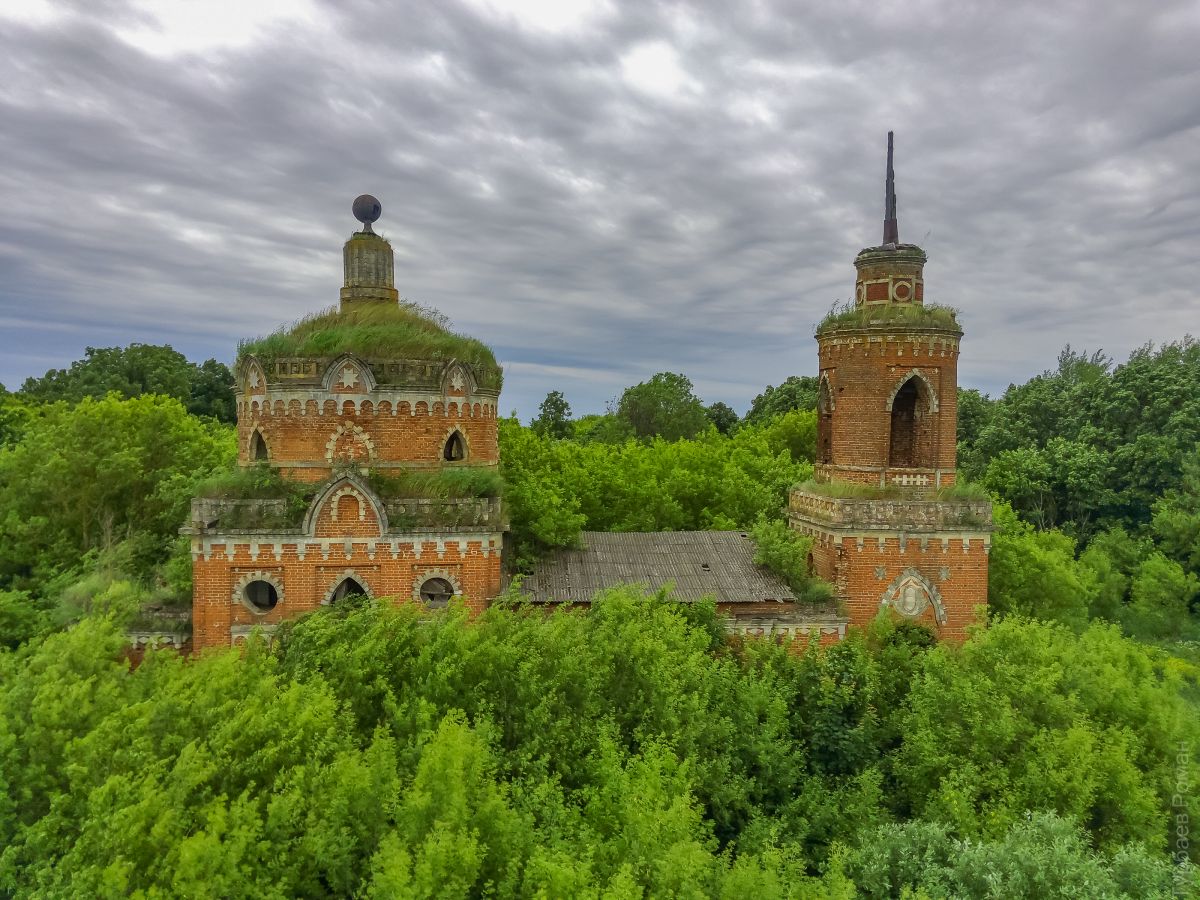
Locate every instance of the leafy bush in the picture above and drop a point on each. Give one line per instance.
(627, 752)
(785, 552)
(557, 488)
(97, 474)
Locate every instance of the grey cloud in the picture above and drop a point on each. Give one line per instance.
(592, 232)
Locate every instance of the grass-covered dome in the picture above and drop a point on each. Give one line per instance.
(377, 331)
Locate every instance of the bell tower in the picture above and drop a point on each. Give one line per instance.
(889, 527)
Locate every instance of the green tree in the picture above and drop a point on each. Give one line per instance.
(1162, 597)
(1035, 573)
(664, 406)
(798, 392)
(975, 410)
(1043, 856)
(722, 416)
(554, 416)
(99, 473)
(140, 369)
(1176, 521)
(14, 416)
(1030, 716)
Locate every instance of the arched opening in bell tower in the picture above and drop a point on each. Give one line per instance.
(258, 447)
(910, 434)
(824, 423)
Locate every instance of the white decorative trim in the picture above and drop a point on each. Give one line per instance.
(348, 491)
(446, 438)
(239, 590)
(824, 383)
(253, 376)
(454, 370)
(486, 400)
(412, 543)
(347, 573)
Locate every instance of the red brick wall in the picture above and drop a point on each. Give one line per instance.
(864, 369)
(301, 440)
(307, 581)
(862, 574)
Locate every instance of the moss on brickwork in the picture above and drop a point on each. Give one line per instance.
(913, 315)
(377, 331)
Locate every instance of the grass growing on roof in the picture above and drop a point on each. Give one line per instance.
(846, 490)
(443, 484)
(928, 315)
(381, 331)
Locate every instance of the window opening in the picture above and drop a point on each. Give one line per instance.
(455, 448)
(904, 426)
(349, 587)
(436, 592)
(261, 595)
(824, 424)
(258, 446)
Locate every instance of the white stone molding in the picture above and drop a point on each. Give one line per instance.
(425, 574)
(465, 442)
(457, 377)
(346, 485)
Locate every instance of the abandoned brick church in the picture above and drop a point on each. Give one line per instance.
(362, 426)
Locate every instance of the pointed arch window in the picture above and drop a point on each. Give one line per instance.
(455, 449)
(258, 447)
(348, 587)
(911, 426)
(824, 422)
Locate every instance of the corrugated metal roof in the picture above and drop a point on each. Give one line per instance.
(718, 564)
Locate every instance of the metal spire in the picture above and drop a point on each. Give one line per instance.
(891, 229)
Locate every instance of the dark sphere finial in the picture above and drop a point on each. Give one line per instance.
(366, 209)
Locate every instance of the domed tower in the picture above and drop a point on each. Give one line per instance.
(367, 453)
(890, 529)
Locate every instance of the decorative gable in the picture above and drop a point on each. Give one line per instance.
(347, 507)
(458, 380)
(348, 375)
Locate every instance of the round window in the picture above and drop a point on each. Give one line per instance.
(436, 592)
(261, 595)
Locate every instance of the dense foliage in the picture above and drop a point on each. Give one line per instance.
(627, 752)
(557, 488)
(634, 751)
(205, 389)
(103, 472)
(1089, 445)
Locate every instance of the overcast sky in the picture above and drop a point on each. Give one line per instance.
(599, 190)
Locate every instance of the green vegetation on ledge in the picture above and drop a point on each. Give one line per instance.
(438, 484)
(845, 490)
(915, 315)
(383, 331)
